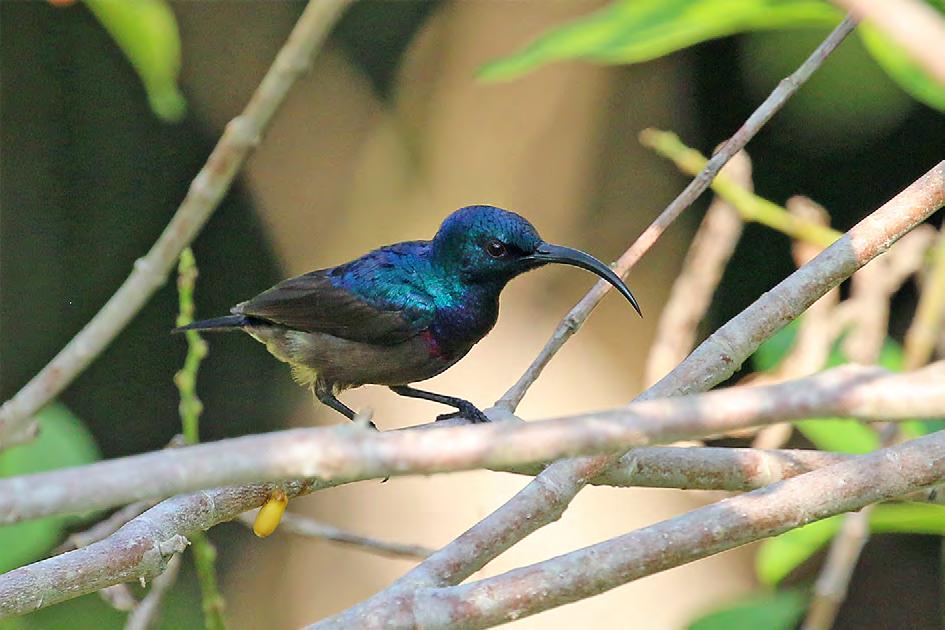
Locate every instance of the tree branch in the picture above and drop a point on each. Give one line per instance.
(691, 295)
(715, 528)
(310, 528)
(241, 135)
(146, 613)
(345, 453)
(545, 498)
(776, 100)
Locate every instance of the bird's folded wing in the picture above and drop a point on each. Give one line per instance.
(312, 303)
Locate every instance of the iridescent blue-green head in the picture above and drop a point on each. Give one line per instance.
(490, 246)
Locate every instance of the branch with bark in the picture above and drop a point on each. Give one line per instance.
(544, 500)
(576, 317)
(807, 484)
(241, 136)
(346, 453)
(349, 453)
(715, 528)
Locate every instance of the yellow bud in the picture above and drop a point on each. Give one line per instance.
(270, 514)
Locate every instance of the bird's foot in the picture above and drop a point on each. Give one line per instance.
(470, 413)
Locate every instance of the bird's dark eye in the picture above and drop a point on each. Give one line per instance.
(496, 249)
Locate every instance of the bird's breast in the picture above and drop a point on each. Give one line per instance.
(455, 330)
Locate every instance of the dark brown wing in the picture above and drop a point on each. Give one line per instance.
(312, 303)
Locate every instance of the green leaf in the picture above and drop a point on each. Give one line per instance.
(780, 610)
(774, 350)
(631, 31)
(839, 435)
(846, 436)
(63, 441)
(899, 65)
(780, 555)
(146, 32)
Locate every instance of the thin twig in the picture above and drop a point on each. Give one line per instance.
(119, 597)
(241, 135)
(702, 270)
(310, 528)
(190, 408)
(146, 613)
(872, 289)
(914, 25)
(545, 498)
(698, 534)
(105, 527)
(771, 105)
(750, 207)
(927, 323)
(833, 582)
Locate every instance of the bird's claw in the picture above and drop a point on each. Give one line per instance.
(470, 413)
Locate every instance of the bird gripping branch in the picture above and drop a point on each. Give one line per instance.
(404, 312)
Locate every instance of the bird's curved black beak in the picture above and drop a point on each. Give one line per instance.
(548, 253)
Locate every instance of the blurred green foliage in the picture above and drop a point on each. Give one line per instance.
(63, 441)
(848, 101)
(632, 31)
(840, 435)
(780, 610)
(777, 557)
(899, 66)
(780, 555)
(180, 609)
(146, 32)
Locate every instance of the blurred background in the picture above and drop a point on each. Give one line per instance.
(389, 133)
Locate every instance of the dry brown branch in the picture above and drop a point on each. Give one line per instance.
(771, 105)
(544, 499)
(830, 588)
(310, 528)
(150, 272)
(869, 303)
(146, 613)
(815, 334)
(702, 270)
(709, 530)
(345, 453)
(105, 527)
(873, 287)
(874, 292)
(119, 597)
(656, 466)
(927, 323)
(914, 25)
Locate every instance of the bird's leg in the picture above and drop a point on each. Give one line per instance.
(323, 392)
(466, 409)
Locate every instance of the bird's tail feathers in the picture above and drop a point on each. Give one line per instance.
(221, 324)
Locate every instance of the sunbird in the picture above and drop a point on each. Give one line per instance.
(404, 312)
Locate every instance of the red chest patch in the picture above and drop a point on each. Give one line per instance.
(433, 346)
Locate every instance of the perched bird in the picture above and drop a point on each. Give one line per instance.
(402, 313)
